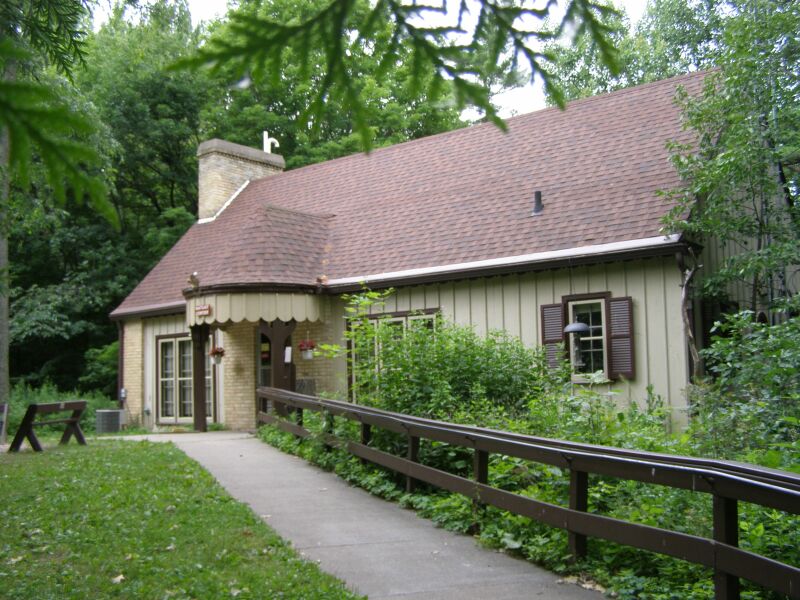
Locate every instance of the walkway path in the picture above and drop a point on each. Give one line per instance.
(376, 547)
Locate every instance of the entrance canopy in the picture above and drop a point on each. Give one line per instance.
(234, 307)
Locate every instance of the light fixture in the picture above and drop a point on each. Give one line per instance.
(577, 327)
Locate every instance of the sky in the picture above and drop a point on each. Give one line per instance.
(517, 101)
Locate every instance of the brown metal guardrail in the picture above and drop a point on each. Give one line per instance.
(728, 482)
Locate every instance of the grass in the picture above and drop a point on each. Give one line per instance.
(137, 520)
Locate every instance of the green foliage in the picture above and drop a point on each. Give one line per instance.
(395, 108)
(120, 519)
(101, 369)
(444, 59)
(755, 395)
(673, 37)
(738, 190)
(33, 113)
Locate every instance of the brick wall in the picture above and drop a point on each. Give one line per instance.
(224, 167)
(239, 341)
(328, 374)
(133, 370)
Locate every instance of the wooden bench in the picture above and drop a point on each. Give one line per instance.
(29, 422)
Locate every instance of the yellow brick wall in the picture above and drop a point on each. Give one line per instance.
(133, 370)
(220, 175)
(326, 373)
(239, 341)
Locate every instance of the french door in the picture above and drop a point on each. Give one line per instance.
(175, 386)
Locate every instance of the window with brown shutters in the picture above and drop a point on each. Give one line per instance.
(552, 332)
(606, 347)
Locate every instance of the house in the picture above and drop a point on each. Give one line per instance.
(554, 222)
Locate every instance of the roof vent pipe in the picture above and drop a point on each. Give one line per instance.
(538, 206)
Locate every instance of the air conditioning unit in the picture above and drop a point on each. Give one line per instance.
(109, 421)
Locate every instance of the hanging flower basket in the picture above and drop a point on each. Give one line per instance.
(306, 348)
(217, 354)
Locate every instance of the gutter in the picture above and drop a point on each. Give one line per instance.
(152, 310)
(538, 261)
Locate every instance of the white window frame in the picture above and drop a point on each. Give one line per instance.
(603, 336)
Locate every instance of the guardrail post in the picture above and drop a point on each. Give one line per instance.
(480, 471)
(726, 531)
(328, 430)
(578, 500)
(413, 456)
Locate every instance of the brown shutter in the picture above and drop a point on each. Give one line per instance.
(552, 331)
(620, 338)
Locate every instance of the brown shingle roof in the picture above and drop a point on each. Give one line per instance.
(461, 196)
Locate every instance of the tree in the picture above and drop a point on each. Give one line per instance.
(395, 108)
(741, 179)
(33, 32)
(461, 56)
(673, 37)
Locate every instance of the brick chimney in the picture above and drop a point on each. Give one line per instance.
(224, 167)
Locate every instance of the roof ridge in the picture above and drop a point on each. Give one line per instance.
(475, 126)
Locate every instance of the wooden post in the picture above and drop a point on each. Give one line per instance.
(278, 332)
(726, 531)
(578, 500)
(200, 335)
(413, 455)
(480, 471)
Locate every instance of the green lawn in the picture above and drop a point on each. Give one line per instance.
(137, 520)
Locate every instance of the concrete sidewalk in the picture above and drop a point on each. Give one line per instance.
(376, 547)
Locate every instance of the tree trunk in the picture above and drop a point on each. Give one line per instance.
(5, 178)
(687, 274)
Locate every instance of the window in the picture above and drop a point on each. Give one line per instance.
(588, 351)
(175, 391)
(607, 346)
(398, 323)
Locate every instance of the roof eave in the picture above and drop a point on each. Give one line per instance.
(151, 310)
(604, 253)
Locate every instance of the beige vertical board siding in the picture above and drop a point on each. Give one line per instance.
(447, 300)
(432, 295)
(403, 297)
(635, 285)
(477, 291)
(417, 297)
(494, 304)
(513, 303)
(157, 326)
(529, 302)
(462, 312)
(511, 316)
(677, 352)
(657, 359)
